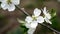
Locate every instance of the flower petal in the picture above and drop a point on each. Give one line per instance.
(40, 19)
(31, 31)
(16, 2)
(47, 20)
(11, 7)
(48, 16)
(46, 13)
(37, 12)
(31, 25)
(28, 19)
(4, 5)
(34, 24)
(3, 1)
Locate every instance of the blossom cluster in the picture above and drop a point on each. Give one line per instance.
(9, 4)
(32, 21)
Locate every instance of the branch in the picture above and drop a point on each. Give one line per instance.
(40, 24)
(22, 10)
(51, 28)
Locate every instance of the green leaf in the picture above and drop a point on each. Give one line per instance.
(55, 23)
(53, 12)
(20, 21)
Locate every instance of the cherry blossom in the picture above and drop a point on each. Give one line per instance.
(32, 21)
(47, 15)
(9, 4)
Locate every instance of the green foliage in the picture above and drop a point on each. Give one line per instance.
(53, 12)
(25, 29)
(22, 25)
(54, 20)
(18, 30)
(55, 23)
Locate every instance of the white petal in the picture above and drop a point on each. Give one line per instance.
(40, 19)
(4, 5)
(28, 19)
(44, 11)
(47, 20)
(16, 2)
(31, 25)
(48, 16)
(3, 0)
(11, 7)
(37, 12)
(31, 31)
(34, 24)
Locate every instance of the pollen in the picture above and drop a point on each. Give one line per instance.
(34, 17)
(8, 1)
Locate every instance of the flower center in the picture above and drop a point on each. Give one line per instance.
(8, 1)
(34, 18)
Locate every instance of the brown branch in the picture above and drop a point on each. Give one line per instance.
(22, 10)
(50, 28)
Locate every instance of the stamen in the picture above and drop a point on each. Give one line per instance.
(8, 1)
(34, 17)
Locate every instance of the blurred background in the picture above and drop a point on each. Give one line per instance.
(10, 25)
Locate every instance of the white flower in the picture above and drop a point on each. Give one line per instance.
(35, 17)
(33, 21)
(47, 15)
(9, 4)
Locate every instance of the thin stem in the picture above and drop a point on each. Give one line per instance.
(51, 28)
(41, 24)
(22, 10)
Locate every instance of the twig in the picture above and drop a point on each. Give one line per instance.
(41, 24)
(22, 10)
(51, 28)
